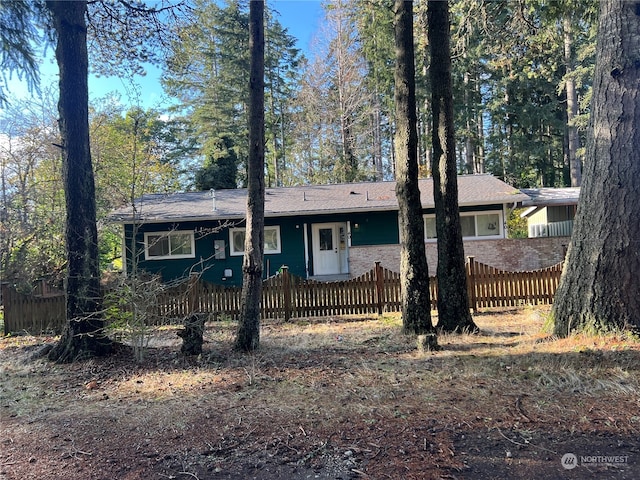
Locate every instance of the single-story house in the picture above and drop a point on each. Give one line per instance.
(550, 211)
(318, 231)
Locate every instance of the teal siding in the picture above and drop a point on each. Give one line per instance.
(213, 269)
(367, 228)
(376, 228)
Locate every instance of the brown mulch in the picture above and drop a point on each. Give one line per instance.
(358, 403)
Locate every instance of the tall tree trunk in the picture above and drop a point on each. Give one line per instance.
(599, 287)
(453, 299)
(479, 163)
(248, 338)
(277, 182)
(376, 128)
(414, 273)
(573, 139)
(83, 334)
(468, 148)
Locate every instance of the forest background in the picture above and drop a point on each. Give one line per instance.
(522, 73)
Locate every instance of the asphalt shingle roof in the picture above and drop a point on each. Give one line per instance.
(542, 197)
(309, 199)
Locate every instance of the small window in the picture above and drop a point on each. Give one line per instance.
(172, 245)
(237, 241)
(326, 239)
(271, 240)
(430, 228)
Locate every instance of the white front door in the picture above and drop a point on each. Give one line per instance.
(329, 248)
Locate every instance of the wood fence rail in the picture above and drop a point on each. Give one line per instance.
(288, 296)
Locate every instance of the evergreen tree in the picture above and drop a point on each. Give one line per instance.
(18, 34)
(248, 337)
(83, 335)
(282, 64)
(220, 169)
(509, 81)
(599, 287)
(416, 301)
(207, 70)
(68, 27)
(374, 21)
(453, 299)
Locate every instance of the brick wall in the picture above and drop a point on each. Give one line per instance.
(513, 254)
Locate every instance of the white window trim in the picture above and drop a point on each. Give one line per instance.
(169, 234)
(500, 233)
(235, 253)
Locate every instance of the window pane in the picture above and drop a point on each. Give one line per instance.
(488, 224)
(430, 227)
(271, 240)
(468, 226)
(326, 239)
(238, 240)
(180, 244)
(158, 245)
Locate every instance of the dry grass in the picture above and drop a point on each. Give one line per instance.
(354, 384)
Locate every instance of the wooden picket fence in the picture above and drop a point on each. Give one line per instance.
(491, 287)
(38, 312)
(288, 296)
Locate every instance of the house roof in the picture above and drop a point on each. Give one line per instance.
(308, 200)
(544, 197)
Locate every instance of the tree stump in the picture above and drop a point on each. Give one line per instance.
(427, 342)
(192, 333)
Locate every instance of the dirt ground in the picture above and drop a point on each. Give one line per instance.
(331, 398)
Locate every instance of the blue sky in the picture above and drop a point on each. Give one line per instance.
(301, 17)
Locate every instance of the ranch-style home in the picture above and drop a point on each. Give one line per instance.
(318, 231)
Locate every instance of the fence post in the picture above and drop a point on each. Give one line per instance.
(286, 287)
(7, 304)
(471, 284)
(379, 282)
(192, 294)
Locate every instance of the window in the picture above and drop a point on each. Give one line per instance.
(271, 240)
(430, 227)
(325, 236)
(488, 225)
(163, 245)
(468, 226)
(472, 224)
